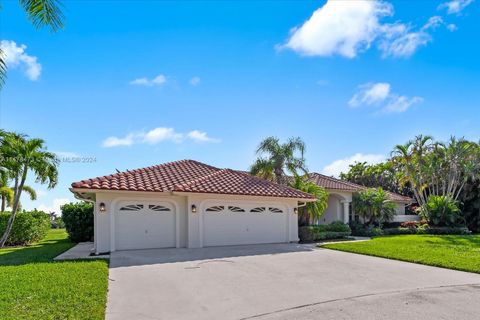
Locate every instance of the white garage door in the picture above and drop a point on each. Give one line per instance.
(144, 225)
(235, 225)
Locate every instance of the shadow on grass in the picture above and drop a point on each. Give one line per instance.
(44, 251)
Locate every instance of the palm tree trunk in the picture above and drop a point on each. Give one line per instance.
(16, 201)
(3, 204)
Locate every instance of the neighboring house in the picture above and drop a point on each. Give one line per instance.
(340, 200)
(189, 204)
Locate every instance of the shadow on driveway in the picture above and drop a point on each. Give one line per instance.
(173, 255)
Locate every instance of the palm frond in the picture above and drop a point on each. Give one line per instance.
(44, 13)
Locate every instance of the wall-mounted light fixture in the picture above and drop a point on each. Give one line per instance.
(295, 210)
(194, 208)
(102, 207)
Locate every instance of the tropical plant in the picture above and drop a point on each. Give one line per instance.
(21, 154)
(6, 193)
(275, 159)
(442, 211)
(373, 206)
(470, 204)
(78, 220)
(41, 13)
(312, 211)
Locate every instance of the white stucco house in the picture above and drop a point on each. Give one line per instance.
(340, 200)
(189, 204)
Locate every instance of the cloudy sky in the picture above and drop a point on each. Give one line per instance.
(131, 84)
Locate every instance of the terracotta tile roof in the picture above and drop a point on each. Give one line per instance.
(190, 176)
(337, 184)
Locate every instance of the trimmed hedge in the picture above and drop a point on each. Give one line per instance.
(448, 230)
(335, 230)
(78, 219)
(28, 227)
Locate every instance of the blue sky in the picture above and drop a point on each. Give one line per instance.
(131, 84)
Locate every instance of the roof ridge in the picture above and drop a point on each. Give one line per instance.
(339, 180)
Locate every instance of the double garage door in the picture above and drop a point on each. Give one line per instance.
(144, 225)
(225, 224)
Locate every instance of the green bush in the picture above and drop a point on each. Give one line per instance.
(335, 230)
(448, 230)
(361, 230)
(398, 231)
(78, 219)
(442, 211)
(28, 227)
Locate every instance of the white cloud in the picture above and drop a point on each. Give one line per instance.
(54, 206)
(195, 81)
(66, 154)
(455, 6)
(16, 56)
(157, 81)
(157, 135)
(339, 27)
(347, 28)
(116, 142)
(370, 94)
(200, 136)
(342, 165)
(452, 27)
(160, 134)
(380, 94)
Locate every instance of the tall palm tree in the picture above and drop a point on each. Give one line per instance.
(275, 159)
(20, 156)
(41, 13)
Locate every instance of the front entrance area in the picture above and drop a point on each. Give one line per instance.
(144, 225)
(236, 224)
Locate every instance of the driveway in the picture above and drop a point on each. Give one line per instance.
(286, 281)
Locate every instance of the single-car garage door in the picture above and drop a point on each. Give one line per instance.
(235, 225)
(144, 225)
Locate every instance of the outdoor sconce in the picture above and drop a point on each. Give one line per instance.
(194, 208)
(102, 207)
(295, 210)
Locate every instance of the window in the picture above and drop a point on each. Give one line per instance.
(215, 209)
(275, 210)
(158, 208)
(258, 210)
(132, 207)
(235, 209)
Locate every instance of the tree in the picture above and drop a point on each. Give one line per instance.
(374, 206)
(21, 155)
(41, 13)
(312, 211)
(6, 193)
(280, 158)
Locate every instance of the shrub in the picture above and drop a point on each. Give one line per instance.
(448, 230)
(78, 219)
(442, 211)
(57, 223)
(361, 230)
(335, 230)
(409, 224)
(399, 231)
(28, 227)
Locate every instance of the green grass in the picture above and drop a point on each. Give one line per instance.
(452, 252)
(32, 286)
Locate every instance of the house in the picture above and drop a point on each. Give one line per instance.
(340, 200)
(189, 204)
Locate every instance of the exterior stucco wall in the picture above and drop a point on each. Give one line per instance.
(335, 208)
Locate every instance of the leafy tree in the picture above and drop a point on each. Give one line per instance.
(312, 211)
(374, 206)
(41, 13)
(6, 193)
(470, 204)
(275, 159)
(20, 154)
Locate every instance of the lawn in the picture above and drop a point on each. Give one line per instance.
(452, 252)
(32, 286)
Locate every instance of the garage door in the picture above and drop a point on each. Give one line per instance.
(235, 224)
(144, 225)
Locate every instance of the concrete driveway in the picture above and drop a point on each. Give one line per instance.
(286, 281)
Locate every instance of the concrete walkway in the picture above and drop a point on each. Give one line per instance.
(283, 282)
(82, 250)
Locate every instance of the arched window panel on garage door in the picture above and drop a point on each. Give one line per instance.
(275, 210)
(215, 209)
(132, 207)
(258, 210)
(159, 208)
(235, 209)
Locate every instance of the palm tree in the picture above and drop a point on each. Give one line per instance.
(21, 155)
(280, 157)
(374, 206)
(6, 193)
(41, 13)
(312, 211)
